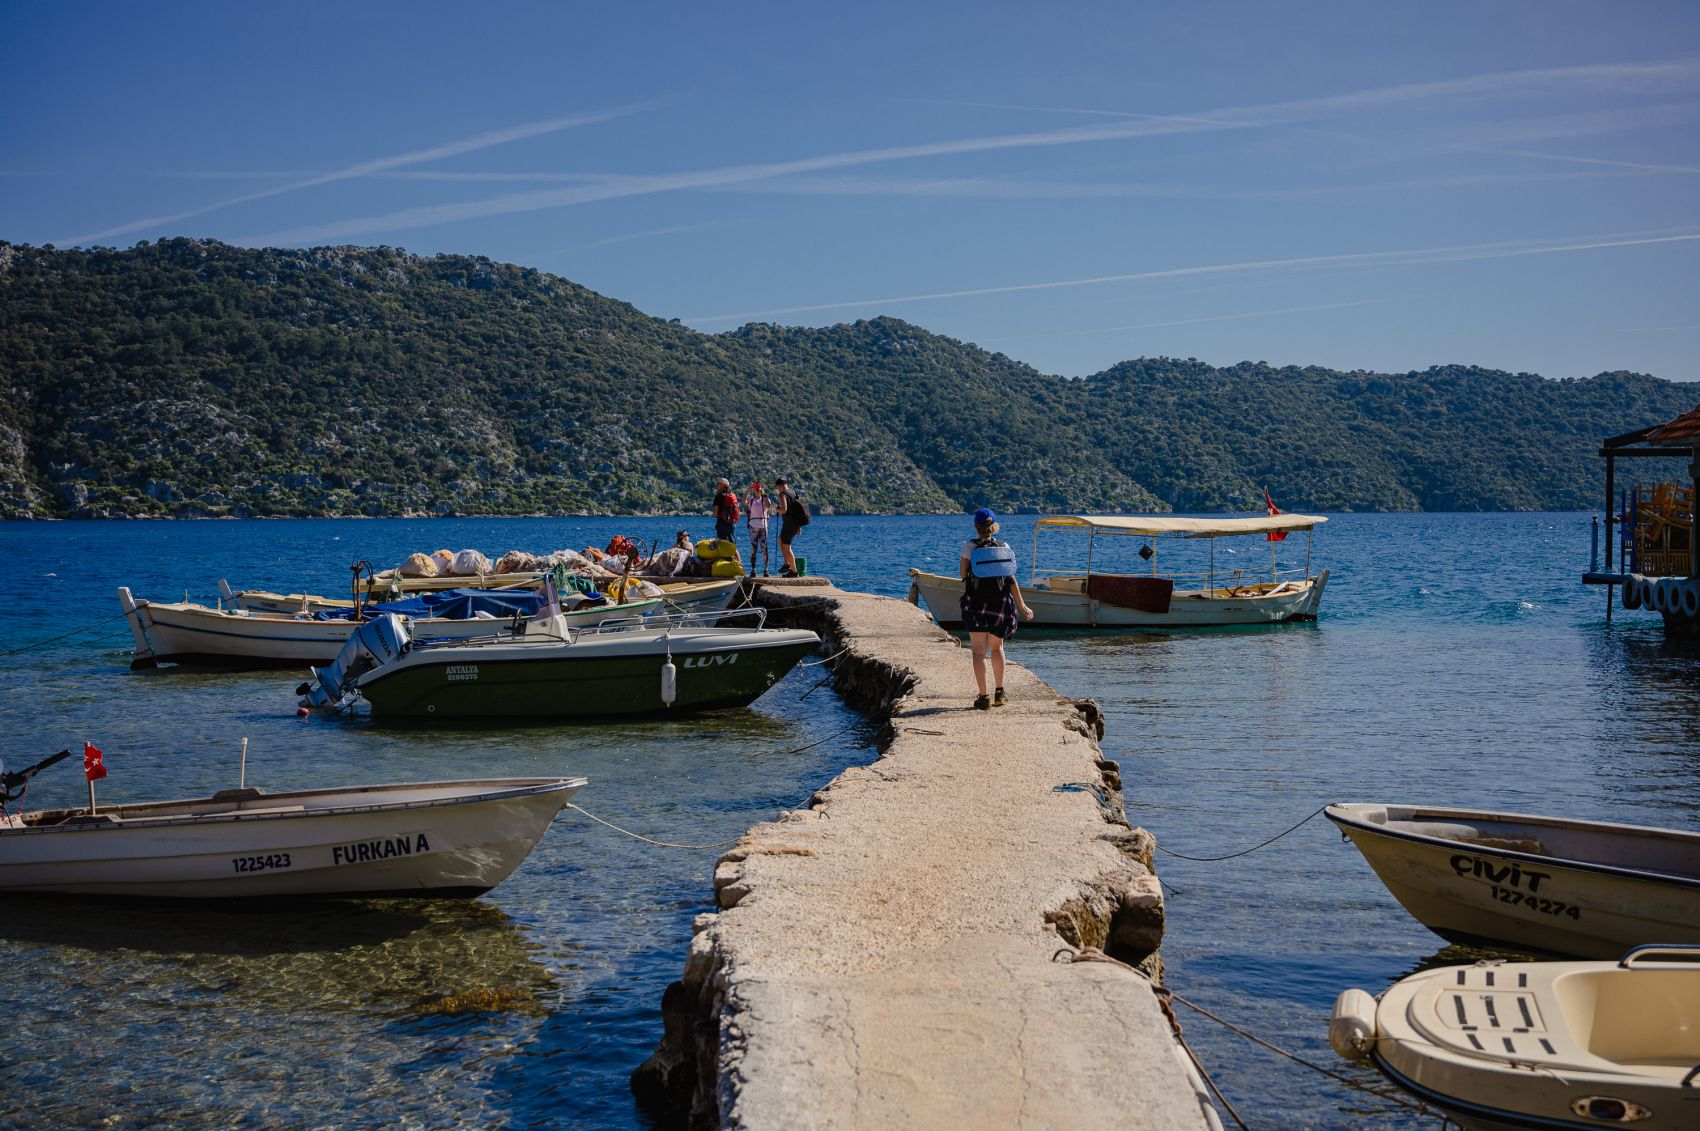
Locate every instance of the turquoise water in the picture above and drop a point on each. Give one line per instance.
(1457, 662)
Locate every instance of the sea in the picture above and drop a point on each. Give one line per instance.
(1457, 661)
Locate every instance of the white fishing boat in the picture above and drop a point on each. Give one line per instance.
(1213, 595)
(447, 838)
(1549, 884)
(1555, 1045)
(185, 632)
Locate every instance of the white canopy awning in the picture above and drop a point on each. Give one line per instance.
(1185, 527)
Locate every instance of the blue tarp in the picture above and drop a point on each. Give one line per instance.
(454, 604)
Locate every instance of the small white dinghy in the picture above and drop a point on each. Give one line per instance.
(1540, 1044)
(1588, 889)
(433, 839)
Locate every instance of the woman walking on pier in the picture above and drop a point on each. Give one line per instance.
(990, 599)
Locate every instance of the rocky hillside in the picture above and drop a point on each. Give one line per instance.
(193, 378)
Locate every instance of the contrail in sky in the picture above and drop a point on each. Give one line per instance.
(1189, 321)
(1616, 76)
(1412, 256)
(1604, 161)
(380, 165)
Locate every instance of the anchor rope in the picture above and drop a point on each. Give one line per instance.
(1243, 851)
(1164, 993)
(73, 632)
(827, 660)
(719, 843)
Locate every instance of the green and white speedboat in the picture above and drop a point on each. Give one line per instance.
(615, 669)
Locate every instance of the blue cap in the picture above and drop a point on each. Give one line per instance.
(984, 517)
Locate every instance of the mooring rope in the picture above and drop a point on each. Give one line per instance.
(1164, 994)
(73, 632)
(827, 660)
(719, 843)
(1243, 851)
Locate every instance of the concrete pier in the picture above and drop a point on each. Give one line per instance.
(884, 958)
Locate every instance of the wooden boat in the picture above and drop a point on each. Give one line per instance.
(616, 669)
(1093, 598)
(693, 595)
(1540, 1044)
(447, 838)
(178, 632)
(1548, 884)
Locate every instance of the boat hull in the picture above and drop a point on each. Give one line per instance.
(179, 633)
(1469, 891)
(1296, 601)
(428, 841)
(578, 681)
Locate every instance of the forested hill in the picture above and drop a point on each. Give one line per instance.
(193, 378)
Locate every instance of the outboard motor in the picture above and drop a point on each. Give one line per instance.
(376, 643)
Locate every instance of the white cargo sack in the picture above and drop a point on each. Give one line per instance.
(469, 563)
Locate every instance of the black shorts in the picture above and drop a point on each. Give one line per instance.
(996, 615)
(788, 531)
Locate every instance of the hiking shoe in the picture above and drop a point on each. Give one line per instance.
(998, 698)
(787, 573)
(981, 703)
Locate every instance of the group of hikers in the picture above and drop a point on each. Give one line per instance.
(756, 508)
(991, 600)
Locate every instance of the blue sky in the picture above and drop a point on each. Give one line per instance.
(1512, 184)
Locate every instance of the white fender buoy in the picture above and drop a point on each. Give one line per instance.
(669, 680)
(1690, 594)
(1632, 592)
(1351, 1028)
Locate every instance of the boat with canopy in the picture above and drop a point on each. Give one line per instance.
(1107, 592)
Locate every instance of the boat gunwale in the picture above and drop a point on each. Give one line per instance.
(433, 649)
(1526, 819)
(533, 787)
(1299, 585)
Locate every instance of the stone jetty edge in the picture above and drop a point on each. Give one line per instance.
(885, 956)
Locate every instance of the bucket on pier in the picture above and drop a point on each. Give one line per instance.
(802, 567)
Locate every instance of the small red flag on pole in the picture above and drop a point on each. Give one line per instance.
(1273, 535)
(94, 768)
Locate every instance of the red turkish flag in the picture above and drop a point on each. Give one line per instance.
(94, 766)
(1273, 535)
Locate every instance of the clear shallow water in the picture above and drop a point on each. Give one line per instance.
(1457, 662)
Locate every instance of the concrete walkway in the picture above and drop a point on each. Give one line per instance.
(884, 958)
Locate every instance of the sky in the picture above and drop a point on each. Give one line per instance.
(1513, 184)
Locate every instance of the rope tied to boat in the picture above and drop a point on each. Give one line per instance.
(62, 636)
(1243, 851)
(825, 660)
(1165, 994)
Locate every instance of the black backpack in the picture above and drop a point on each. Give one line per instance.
(797, 511)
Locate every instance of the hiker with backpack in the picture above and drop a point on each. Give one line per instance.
(990, 600)
(725, 510)
(793, 516)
